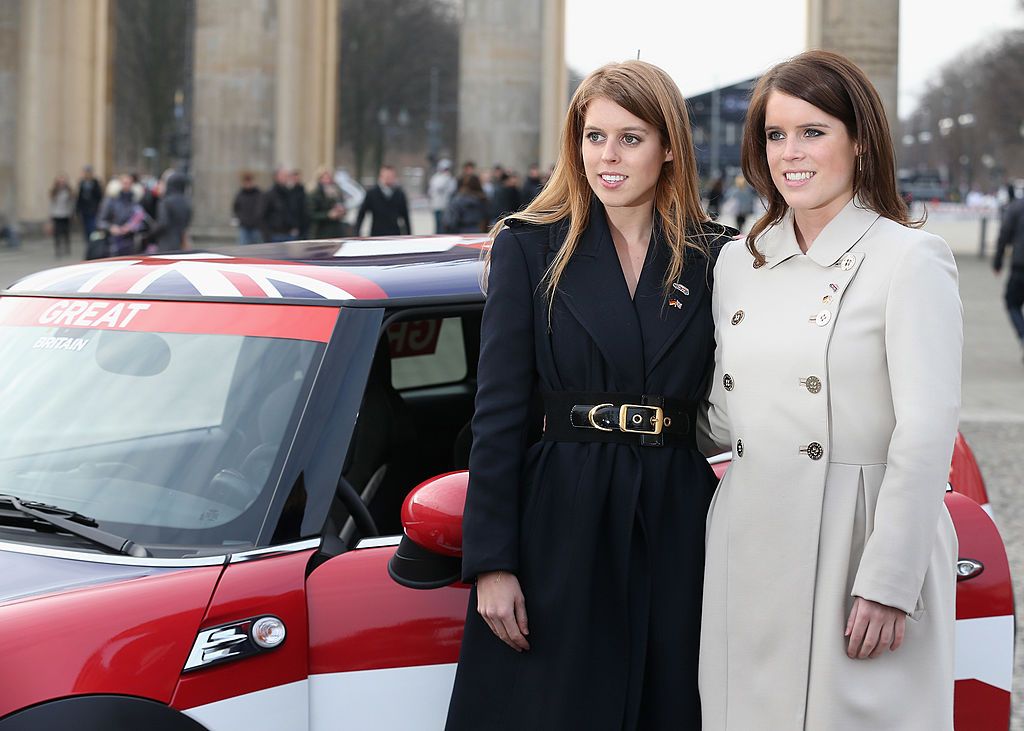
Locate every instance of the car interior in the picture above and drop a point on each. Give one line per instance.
(414, 421)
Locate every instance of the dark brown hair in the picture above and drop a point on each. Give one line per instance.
(838, 87)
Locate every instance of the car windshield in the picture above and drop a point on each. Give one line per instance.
(169, 438)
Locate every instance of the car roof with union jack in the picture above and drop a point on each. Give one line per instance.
(356, 271)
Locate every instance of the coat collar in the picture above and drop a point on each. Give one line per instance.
(839, 236)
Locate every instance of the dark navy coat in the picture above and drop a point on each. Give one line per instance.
(607, 540)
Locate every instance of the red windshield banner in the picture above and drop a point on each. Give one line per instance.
(292, 322)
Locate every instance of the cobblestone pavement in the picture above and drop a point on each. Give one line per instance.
(992, 417)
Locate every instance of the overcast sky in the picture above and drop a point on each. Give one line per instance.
(717, 42)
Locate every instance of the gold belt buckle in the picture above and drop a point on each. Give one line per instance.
(590, 418)
(657, 420)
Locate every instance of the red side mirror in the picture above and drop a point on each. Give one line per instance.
(430, 554)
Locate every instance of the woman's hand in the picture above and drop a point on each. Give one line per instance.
(499, 600)
(873, 628)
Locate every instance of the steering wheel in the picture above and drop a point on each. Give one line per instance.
(357, 509)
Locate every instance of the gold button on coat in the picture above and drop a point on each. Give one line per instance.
(812, 383)
(728, 382)
(739, 447)
(813, 450)
(737, 318)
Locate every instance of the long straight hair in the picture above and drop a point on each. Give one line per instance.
(838, 87)
(646, 92)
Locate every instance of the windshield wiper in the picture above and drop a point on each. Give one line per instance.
(76, 524)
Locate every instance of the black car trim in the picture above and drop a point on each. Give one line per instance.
(100, 713)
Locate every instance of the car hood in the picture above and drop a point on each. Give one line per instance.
(82, 626)
(26, 575)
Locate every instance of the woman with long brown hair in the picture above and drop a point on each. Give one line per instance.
(584, 520)
(829, 597)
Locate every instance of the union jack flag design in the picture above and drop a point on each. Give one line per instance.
(204, 275)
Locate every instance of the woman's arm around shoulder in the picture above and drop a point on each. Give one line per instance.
(923, 346)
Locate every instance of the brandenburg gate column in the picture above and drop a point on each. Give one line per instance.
(64, 96)
(865, 31)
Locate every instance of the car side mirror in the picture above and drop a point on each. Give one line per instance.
(429, 555)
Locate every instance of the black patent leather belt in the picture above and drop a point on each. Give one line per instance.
(620, 418)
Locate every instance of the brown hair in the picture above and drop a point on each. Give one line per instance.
(838, 87)
(646, 92)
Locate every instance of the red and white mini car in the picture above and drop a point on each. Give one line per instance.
(207, 509)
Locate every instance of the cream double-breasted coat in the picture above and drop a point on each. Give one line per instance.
(837, 386)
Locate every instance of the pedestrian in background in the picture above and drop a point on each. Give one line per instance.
(467, 210)
(740, 198)
(297, 204)
(532, 185)
(62, 206)
(278, 223)
(507, 199)
(1011, 234)
(87, 204)
(174, 214)
(440, 189)
(121, 216)
(326, 207)
(387, 205)
(715, 197)
(248, 210)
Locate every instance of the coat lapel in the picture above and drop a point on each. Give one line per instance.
(594, 291)
(664, 323)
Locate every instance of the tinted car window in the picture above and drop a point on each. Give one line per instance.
(426, 352)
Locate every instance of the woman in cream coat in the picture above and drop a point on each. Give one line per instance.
(829, 584)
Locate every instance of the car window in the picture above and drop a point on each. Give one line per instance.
(426, 352)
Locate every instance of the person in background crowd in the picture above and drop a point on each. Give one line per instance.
(248, 210)
(87, 205)
(9, 232)
(174, 214)
(506, 199)
(326, 207)
(468, 168)
(1011, 234)
(297, 204)
(152, 190)
(741, 198)
(532, 185)
(467, 211)
(121, 217)
(440, 190)
(387, 204)
(278, 223)
(62, 206)
(492, 181)
(715, 197)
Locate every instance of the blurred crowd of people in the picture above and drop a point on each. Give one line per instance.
(473, 202)
(127, 215)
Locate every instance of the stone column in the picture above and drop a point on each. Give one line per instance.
(555, 75)
(307, 81)
(500, 82)
(64, 101)
(9, 13)
(865, 31)
(233, 104)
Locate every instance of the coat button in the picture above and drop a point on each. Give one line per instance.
(737, 318)
(739, 447)
(728, 382)
(826, 299)
(813, 450)
(847, 262)
(822, 318)
(811, 383)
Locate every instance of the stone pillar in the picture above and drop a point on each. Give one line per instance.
(9, 13)
(233, 103)
(868, 33)
(64, 100)
(555, 84)
(307, 82)
(500, 82)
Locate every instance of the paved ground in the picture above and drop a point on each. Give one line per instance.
(993, 389)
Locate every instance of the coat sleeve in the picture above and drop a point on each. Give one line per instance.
(713, 435)
(506, 378)
(923, 346)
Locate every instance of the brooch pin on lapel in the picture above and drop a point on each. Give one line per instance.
(675, 303)
(680, 287)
